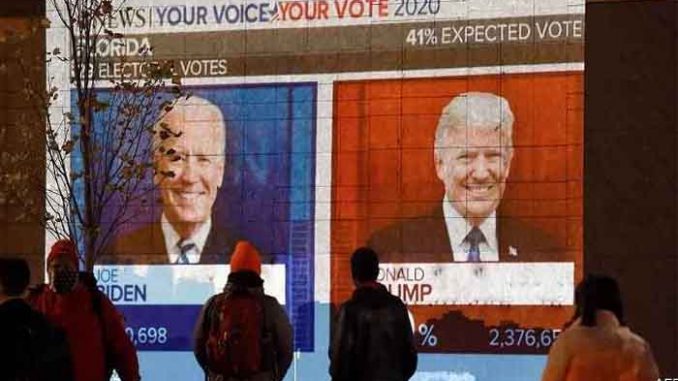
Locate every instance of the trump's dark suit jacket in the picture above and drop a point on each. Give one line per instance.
(425, 240)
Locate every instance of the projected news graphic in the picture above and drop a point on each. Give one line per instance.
(423, 164)
(446, 135)
(266, 144)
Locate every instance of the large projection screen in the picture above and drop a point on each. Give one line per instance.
(359, 122)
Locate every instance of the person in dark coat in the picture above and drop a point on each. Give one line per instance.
(32, 349)
(372, 336)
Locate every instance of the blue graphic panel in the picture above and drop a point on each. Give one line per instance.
(266, 197)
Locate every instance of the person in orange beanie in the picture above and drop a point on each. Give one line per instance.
(245, 258)
(93, 326)
(242, 333)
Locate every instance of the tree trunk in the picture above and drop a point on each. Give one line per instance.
(88, 225)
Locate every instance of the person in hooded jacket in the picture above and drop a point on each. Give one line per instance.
(276, 334)
(597, 345)
(93, 326)
(372, 335)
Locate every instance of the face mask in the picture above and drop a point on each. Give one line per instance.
(64, 281)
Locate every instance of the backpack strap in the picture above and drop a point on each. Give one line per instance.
(268, 340)
(209, 318)
(90, 282)
(211, 314)
(97, 296)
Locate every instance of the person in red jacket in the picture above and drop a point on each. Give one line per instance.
(94, 328)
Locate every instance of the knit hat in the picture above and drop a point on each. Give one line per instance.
(245, 258)
(64, 247)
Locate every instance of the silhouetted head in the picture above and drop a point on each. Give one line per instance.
(364, 265)
(14, 277)
(598, 292)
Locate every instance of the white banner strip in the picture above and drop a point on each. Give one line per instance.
(176, 284)
(481, 283)
(172, 16)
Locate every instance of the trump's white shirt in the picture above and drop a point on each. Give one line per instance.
(458, 228)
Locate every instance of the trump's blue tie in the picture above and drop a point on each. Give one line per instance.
(474, 238)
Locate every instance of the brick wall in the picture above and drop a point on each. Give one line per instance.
(630, 209)
(21, 32)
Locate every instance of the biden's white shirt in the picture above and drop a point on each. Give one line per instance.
(172, 240)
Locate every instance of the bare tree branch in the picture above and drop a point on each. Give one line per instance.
(98, 155)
